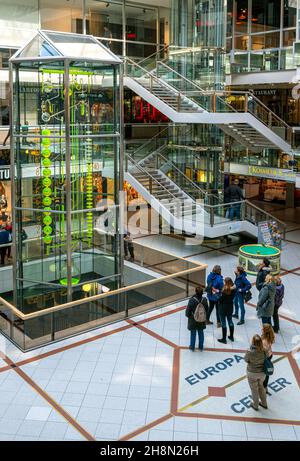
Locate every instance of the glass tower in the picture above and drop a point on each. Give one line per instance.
(66, 109)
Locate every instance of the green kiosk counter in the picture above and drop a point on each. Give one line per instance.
(250, 256)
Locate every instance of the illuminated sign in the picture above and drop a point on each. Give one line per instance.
(4, 174)
(260, 171)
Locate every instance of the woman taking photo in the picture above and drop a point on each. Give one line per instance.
(255, 358)
(268, 339)
(226, 309)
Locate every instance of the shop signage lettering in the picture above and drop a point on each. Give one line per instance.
(265, 92)
(274, 387)
(4, 174)
(210, 371)
(274, 172)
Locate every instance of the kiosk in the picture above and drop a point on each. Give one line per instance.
(250, 256)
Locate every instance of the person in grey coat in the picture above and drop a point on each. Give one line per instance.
(194, 326)
(266, 300)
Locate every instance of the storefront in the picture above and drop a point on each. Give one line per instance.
(265, 184)
(5, 194)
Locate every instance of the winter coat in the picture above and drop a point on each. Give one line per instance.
(189, 313)
(242, 283)
(261, 277)
(266, 300)
(215, 281)
(226, 302)
(279, 294)
(255, 360)
(233, 193)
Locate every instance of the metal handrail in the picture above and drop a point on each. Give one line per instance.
(216, 92)
(154, 54)
(158, 80)
(138, 166)
(195, 186)
(150, 140)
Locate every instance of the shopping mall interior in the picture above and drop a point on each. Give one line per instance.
(141, 146)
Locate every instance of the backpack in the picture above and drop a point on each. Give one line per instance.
(200, 313)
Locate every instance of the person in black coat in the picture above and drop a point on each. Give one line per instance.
(264, 269)
(226, 309)
(194, 326)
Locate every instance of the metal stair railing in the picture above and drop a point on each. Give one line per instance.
(217, 99)
(151, 145)
(248, 212)
(150, 177)
(173, 92)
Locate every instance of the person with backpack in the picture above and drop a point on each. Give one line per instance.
(226, 309)
(214, 288)
(266, 300)
(268, 339)
(196, 312)
(243, 287)
(255, 358)
(279, 295)
(264, 269)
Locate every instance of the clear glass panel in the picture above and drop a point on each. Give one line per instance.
(141, 23)
(38, 47)
(271, 40)
(289, 13)
(80, 46)
(241, 24)
(104, 19)
(64, 17)
(265, 15)
(289, 37)
(18, 20)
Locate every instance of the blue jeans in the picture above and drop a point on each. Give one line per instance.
(235, 212)
(266, 320)
(193, 338)
(239, 303)
(223, 319)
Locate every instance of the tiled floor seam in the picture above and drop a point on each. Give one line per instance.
(48, 398)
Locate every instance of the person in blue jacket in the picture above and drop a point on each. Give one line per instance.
(214, 288)
(242, 285)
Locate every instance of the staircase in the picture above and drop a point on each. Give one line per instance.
(239, 114)
(186, 207)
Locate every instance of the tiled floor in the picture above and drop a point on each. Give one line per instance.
(129, 381)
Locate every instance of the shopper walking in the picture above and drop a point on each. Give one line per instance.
(268, 339)
(264, 269)
(196, 313)
(266, 300)
(128, 246)
(279, 295)
(255, 358)
(214, 288)
(226, 309)
(242, 287)
(5, 239)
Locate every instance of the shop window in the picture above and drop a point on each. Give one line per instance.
(289, 13)
(62, 15)
(241, 43)
(289, 37)
(262, 41)
(241, 23)
(265, 15)
(141, 24)
(104, 19)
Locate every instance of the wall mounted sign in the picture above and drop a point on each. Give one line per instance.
(4, 174)
(260, 171)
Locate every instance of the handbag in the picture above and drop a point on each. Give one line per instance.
(268, 366)
(247, 296)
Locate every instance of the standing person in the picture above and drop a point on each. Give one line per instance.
(128, 246)
(268, 339)
(264, 269)
(255, 358)
(107, 34)
(226, 309)
(234, 193)
(8, 227)
(4, 240)
(279, 295)
(242, 286)
(214, 288)
(194, 326)
(266, 300)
